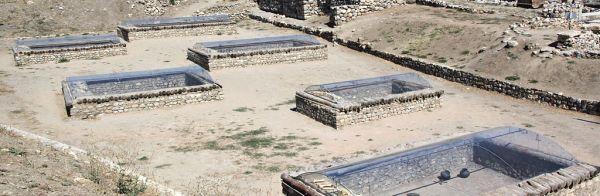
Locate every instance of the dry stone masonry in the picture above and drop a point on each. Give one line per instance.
(258, 51)
(176, 27)
(345, 13)
(451, 74)
(527, 163)
(66, 48)
(339, 11)
(90, 96)
(351, 102)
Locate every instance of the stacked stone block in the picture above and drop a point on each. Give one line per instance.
(91, 96)
(345, 13)
(132, 32)
(337, 116)
(61, 52)
(255, 54)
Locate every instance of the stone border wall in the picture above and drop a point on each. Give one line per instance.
(346, 13)
(337, 117)
(217, 61)
(570, 179)
(92, 106)
(137, 33)
(61, 54)
(444, 4)
(450, 74)
(339, 11)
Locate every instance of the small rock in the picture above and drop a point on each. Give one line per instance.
(482, 49)
(512, 44)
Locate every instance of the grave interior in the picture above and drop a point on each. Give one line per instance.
(494, 158)
(243, 45)
(176, 21)
(363, 90)
(129, 82)
(67, 42)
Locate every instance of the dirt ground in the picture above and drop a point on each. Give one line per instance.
(455, 38)
(30, 168)
(18, 18)
(244, 142)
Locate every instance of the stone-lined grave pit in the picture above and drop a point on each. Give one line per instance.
(66, 48)
(176, 27)
(90, 96)
(500, 161)
(351, 102)
(257, 51)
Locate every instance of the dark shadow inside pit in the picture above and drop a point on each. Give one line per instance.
(495, 158)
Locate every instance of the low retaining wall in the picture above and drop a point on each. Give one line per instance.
(338, 117)
(137, 33)
(444, 4)
(463, 77)
(263, 57)
(66, 54)
(346, 13)
(573, 179)
(90, 107)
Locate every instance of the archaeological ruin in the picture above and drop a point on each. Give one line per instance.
(351, 102)
(500, 161)
(66, 48)
(176, 27)
(257, 51)
(339, 11)
(90, 96)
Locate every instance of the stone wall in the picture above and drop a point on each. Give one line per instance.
(454, 75)
(449, 5)
(136, 85)
(394, 174)
(338, 117)
(137, 33)
(90, 107)
(345, 13)
(262, 57)
(67, 54)
(589, 187)
(300, 9)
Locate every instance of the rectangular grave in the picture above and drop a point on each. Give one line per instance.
(500, 161)
(176, 27)
(90, 96)
(351, 102)
(257, 51)
(66, 48)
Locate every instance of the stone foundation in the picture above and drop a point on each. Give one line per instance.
(508, 153)
(92, 107)
(176, 27)
(257, 51)
(340, 11)
(346, 13)
(338, 117)
(86, 53)
(131, 34)
(90, 96)
(66, 48)
(215, 62)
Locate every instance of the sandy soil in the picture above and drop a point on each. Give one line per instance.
(454, 38)
(29, 168)
(51, 17)
(207, 147)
